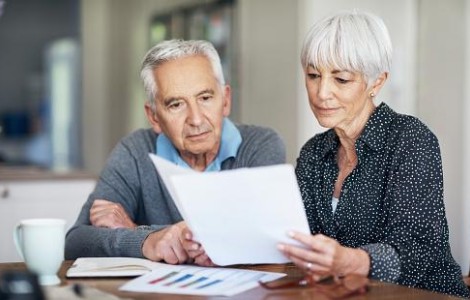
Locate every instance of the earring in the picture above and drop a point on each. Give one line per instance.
(372, 95)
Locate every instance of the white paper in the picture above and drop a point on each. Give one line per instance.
(193, 280)
(239, 216)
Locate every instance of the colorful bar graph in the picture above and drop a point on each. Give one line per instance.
(209, 284)
(199, 280)
(157, 280)
(182, 278)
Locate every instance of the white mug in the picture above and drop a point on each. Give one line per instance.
(40, 242)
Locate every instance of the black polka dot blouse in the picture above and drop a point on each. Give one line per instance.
(391, 205)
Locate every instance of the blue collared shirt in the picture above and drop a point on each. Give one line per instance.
(230, 142)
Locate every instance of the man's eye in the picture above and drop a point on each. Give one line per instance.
(175, 105)
(206, 98)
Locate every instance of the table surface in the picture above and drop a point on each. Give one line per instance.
(377, 290)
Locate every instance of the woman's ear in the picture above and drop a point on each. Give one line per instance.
(379, 83)
(152, 117)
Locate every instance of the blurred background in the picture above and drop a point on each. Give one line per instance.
(70, 86)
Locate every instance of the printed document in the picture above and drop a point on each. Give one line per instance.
(239, 216)
(191, 280)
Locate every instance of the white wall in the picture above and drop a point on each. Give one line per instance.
(442, 78)
(269, 65)
(465, 187)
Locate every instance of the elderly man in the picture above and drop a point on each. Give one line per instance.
(130, 212)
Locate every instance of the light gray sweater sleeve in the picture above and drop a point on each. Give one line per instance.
(127, 170)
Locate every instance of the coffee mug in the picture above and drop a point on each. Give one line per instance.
(40, 242)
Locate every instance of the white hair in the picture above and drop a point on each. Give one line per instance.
(350, 40)
(171, 50)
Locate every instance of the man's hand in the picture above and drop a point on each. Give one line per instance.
(195, 250)
(104, 213)
(166, 245)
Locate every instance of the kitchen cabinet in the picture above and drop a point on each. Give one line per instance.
(38, 198)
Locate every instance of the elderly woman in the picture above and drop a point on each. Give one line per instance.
(372, 184)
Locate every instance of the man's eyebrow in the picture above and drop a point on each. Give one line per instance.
(206, 91)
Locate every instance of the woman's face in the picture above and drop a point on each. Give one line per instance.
(339, 99)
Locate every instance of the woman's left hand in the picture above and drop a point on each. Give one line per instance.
(323, 255)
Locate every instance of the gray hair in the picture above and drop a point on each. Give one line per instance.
(350, 40)
(171, 50)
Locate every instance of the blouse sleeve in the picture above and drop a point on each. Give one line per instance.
(416, 232)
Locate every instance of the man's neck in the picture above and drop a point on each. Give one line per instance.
(199, 162)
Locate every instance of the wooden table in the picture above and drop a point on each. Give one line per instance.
(378, 290)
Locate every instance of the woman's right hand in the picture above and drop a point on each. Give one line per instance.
(324, 255)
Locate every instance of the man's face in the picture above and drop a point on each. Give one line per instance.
(190, 105)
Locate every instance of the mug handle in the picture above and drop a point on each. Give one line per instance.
(18, 238)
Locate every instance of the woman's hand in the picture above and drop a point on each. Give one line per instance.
(195, 250)
(323, 255)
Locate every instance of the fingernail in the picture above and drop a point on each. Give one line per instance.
(187, 236)
(195, 246)
(291, 233)
(281, 247)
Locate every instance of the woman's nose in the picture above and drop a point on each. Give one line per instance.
(324, 90)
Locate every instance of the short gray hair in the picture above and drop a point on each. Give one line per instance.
(349, 40)
(171, 50)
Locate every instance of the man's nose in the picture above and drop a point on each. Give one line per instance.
(195, 116)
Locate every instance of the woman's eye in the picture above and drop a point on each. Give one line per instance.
(342, 80)
(313, 75)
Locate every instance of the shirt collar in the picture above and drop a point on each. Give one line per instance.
(373, 135)
(375, 132)
(231, 140)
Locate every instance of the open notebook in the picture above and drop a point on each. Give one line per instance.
(110, 267)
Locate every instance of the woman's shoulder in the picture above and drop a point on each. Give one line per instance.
(408, 126)
(320, 143)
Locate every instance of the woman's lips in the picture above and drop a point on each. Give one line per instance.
(325, 111)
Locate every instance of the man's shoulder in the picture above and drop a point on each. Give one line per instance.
(260, 146)
(140, 140)
(250, 131)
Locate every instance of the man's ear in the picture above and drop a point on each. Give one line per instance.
(152, 118)
(227, 98)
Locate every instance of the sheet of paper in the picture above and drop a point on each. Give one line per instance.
(193, 280)
(239, 216)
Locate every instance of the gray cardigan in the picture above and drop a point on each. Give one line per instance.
(130, 179)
